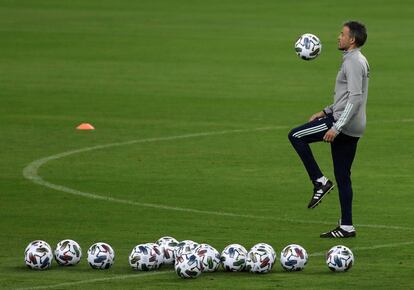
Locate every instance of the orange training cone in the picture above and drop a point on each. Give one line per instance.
(85, 126)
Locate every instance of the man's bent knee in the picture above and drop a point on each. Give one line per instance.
(292, 138)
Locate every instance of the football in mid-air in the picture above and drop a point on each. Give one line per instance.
(101, 256)
(308, 46)
(68, 253)
(339, 258)
(38, 255)
(293, 258)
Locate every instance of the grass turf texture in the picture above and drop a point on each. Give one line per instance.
(150, 69)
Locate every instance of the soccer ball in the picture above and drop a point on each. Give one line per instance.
(38, 255)
(308, 46)
(267, 247)
(146, 257)
(260, 258)
(209, 258)
(339, 258)
(101, 256)
(185, 247)
(233, 258)
(293, 258)
(187, 266)
(167, 245)
(68, 253)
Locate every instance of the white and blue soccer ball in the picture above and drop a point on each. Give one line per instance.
(209, 258)
(233, 258)
(260, 258)
(38, 255)
(308, 46)
(185, 247)
(168, 245)
(146, 257)
(101, 256)
(340, 259)
(293, 258)
(187, 265)
(68, 253)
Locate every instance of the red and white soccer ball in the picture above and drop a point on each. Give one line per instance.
(146, 257)
(233, 258)
(38, 255)
(68, 253)
(293, 258)
(101, 256)
(340, 258)
(167, 245)
(260, 258)
(308, 46)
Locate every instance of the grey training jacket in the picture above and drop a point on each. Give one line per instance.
(351, 91)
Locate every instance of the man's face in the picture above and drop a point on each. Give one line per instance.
(345, 42)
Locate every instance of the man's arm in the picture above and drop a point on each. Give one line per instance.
(323, 113)
(331, 134)
(354, 74)
(328, 109)
(317, 115)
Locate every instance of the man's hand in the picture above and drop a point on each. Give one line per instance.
(316, 116)
(329, 136)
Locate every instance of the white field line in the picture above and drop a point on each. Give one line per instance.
(367, 248)
(30, 172)
(133, 276)
(76, 283)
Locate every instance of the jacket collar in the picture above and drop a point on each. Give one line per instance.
(350, 52)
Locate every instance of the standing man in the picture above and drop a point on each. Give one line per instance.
(341, 124)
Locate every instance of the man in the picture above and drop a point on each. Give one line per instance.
(341, 124)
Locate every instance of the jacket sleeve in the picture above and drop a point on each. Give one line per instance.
(328, 109)
(354, 72)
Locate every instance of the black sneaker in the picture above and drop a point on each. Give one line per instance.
(319, 192)
(339, 233)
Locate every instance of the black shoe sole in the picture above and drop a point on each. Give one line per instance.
(320, 200)
(332, 237)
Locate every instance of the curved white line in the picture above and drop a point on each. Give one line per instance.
(368, 248)
(30, 172)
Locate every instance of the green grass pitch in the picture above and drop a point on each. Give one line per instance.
(206, 91)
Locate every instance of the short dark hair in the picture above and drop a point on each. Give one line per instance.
(358, 31)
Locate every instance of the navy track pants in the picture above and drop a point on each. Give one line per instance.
(343, 151)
